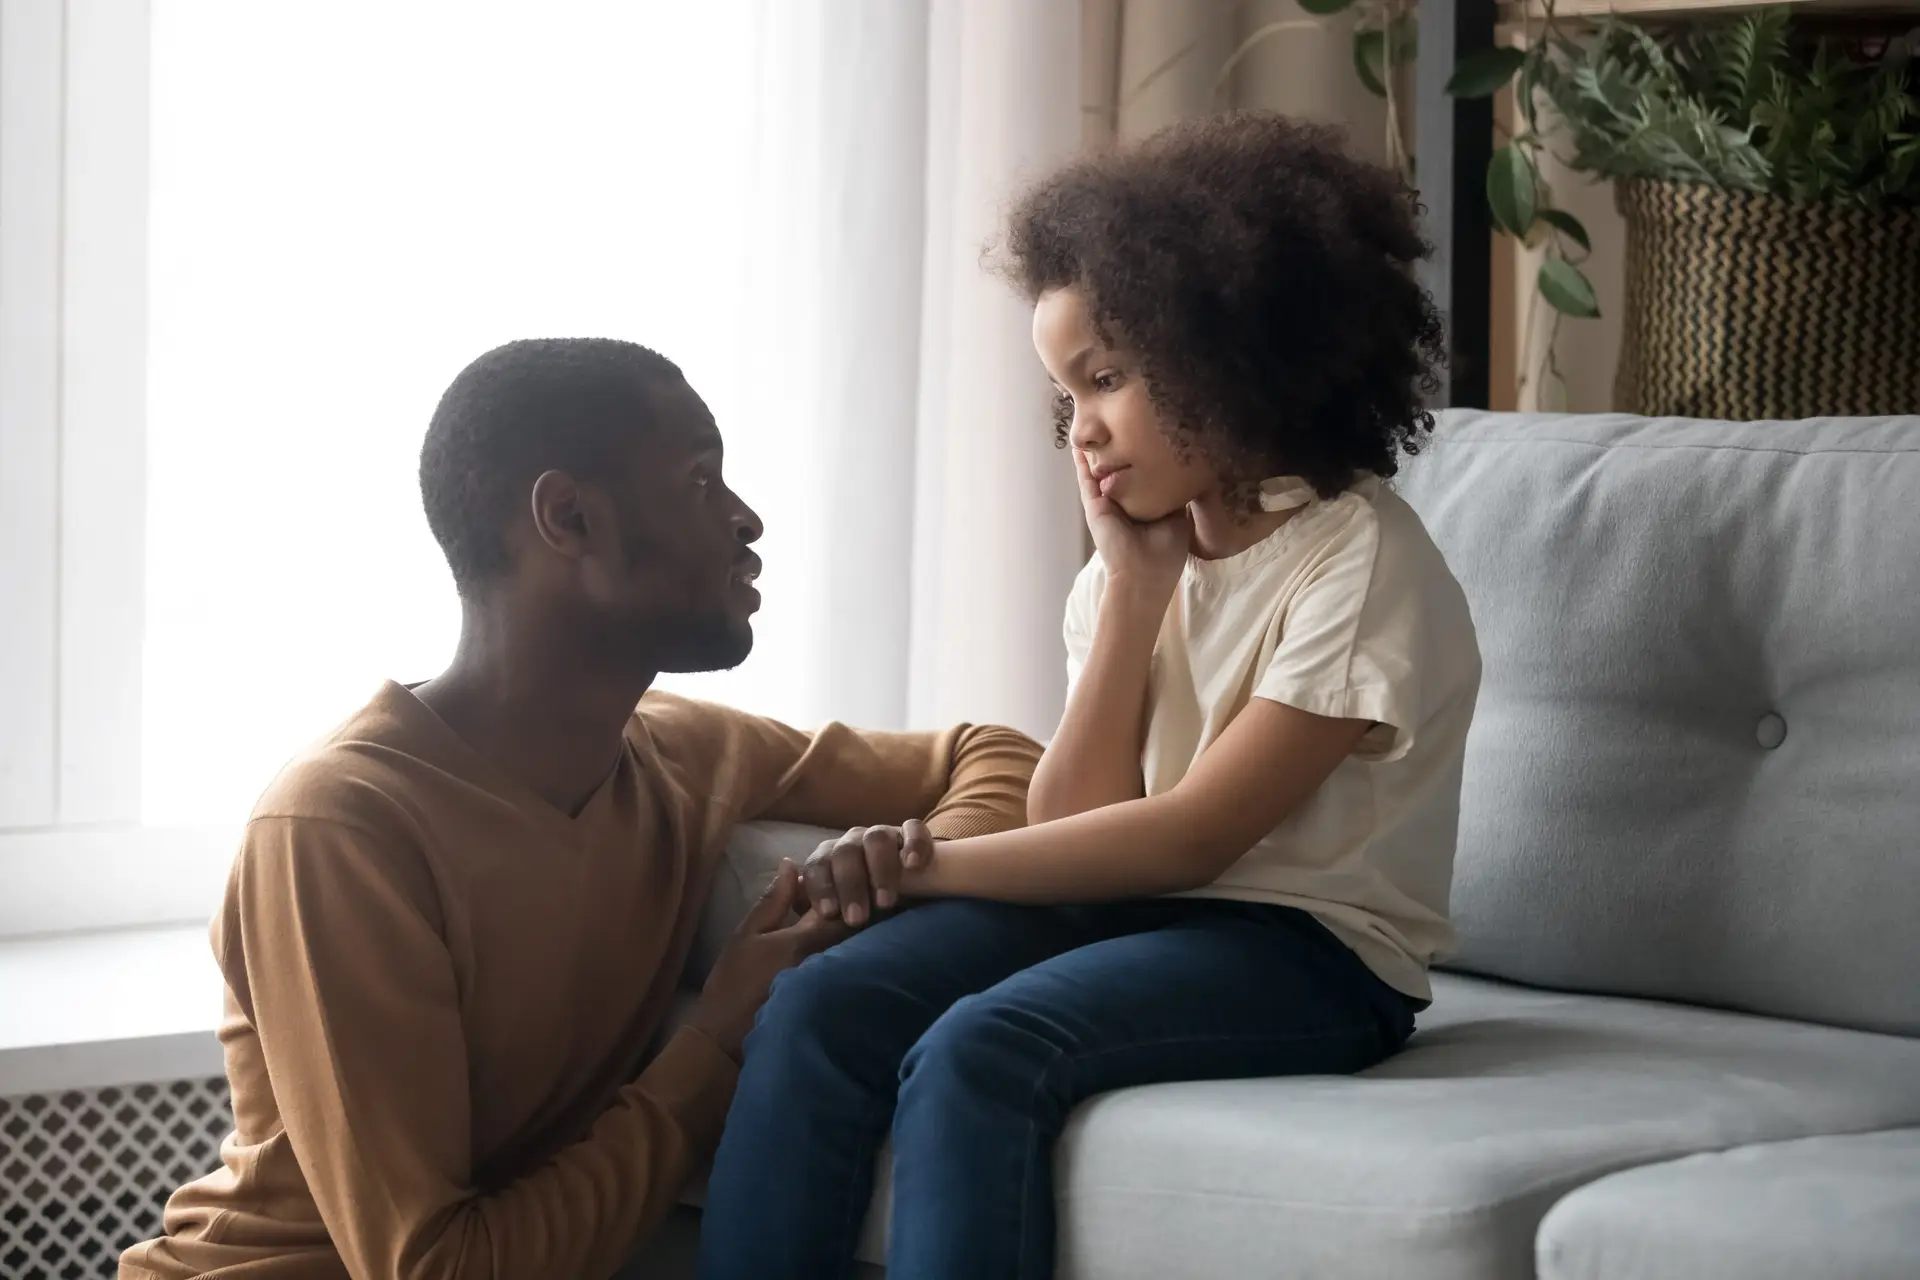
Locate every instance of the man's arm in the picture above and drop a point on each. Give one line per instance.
(332, 938)
(966, 781)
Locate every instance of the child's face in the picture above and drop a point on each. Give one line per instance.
(1114, 421)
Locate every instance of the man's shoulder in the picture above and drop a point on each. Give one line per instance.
(715, 754)
(358, 775)
(347, 809)
(678, 725)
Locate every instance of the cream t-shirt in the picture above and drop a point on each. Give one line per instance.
(1348, 610)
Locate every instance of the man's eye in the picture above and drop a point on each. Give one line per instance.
(702, 479)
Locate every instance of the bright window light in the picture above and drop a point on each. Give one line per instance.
(349, 202)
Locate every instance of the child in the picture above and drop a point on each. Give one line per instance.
(1243, 832)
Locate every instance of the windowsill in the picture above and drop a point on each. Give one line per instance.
(82, 1010)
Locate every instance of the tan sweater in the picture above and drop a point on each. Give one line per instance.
(441, 991)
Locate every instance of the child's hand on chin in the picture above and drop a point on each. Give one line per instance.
(1148, 555)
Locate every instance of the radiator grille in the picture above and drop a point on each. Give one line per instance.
(85, 1174)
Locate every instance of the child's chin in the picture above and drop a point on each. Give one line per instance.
(1146, 513)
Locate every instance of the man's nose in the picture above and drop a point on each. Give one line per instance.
(746, 524)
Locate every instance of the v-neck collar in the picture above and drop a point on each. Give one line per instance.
(455, 754)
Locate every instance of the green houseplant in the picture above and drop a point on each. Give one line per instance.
(1733, 105)
(1759, 174)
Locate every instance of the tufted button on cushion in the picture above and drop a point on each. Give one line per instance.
(1771, 731)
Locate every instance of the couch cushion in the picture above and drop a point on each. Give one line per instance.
(1692, 769)
(1843, 1208)
(1440, 1163)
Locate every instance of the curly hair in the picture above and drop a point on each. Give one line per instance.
(1265, 280)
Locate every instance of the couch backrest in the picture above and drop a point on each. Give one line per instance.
(1694, 773)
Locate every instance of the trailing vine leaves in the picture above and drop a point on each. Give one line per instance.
(1377, 49)
(1485, 73)
(1517, 197)
(1566, 289)
(1567, 225)
(1513, 189)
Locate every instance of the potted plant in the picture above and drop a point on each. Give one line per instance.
(1771, 191)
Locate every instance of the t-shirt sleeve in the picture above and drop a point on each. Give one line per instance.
(1083, 606)
(1349, 641)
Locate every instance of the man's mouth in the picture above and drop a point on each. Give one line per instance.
(747, 572)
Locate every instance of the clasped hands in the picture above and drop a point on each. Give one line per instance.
(861, 873)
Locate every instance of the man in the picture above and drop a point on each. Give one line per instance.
(455, 927)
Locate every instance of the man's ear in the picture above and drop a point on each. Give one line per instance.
(560, 514)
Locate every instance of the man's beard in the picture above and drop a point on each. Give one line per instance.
(712, 642)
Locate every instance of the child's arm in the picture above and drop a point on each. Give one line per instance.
(1266, 763)
(1094, 758)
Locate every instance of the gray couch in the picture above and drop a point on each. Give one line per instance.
(1681, 1037)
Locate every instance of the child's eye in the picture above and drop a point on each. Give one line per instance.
(1106, 382)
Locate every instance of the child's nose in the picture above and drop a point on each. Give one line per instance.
(1088, 431)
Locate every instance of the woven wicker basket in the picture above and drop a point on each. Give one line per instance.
(1743, 306)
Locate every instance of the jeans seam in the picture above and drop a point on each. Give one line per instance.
(1033, 1144)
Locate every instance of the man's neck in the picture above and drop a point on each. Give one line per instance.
(548, 716)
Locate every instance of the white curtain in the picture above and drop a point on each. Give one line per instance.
(787, 196)
(921, 581)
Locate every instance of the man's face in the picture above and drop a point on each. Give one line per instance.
(677, 579)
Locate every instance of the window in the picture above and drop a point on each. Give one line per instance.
(291, 225)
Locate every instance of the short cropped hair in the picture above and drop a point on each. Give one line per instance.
(537, 405)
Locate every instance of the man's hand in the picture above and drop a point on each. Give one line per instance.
(761, 948)
(859, 874)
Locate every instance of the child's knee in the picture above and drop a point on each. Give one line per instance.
(809, 999)
(821, 1022)
(983, 1045)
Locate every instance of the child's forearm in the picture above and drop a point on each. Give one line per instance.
(1141, 848)
(1266, 763)
(1094, 759)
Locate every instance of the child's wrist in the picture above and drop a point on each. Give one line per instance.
(1132, 602)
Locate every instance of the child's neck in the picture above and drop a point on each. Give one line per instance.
(1220, 531)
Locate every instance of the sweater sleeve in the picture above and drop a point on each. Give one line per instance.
(965, 781)
(333, 937)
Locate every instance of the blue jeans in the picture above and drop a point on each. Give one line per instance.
(973, 1029)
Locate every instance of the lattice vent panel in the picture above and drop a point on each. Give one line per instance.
(85, 1174)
